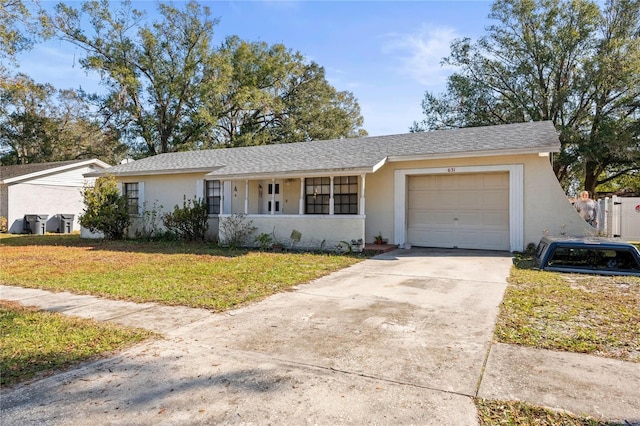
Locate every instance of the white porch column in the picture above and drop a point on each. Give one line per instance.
(301, 203)
(246, 196)
(273, 196)
(222, 197)
(362, 195)
(331, 205)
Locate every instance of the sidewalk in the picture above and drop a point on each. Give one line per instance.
(207, 370)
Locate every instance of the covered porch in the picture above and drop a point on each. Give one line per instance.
(307, 212)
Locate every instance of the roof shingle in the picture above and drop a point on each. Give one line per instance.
(351, 154)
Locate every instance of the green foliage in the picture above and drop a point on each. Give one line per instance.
(265, 241)
(19, 28)
(276, 96)
(105, 209)
(41, 124)
(188, 222)
(235, 231)
(150, 222)
(171, 88)
(570, 62)
(157, 73)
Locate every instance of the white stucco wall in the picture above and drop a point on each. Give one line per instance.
(161, 193)
(54, 194)
(545, 206)
(317, 231)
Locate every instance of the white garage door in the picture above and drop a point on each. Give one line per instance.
(462, 210)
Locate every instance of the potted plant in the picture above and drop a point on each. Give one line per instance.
(378, 238)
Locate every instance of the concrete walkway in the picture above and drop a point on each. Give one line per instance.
(403, 338)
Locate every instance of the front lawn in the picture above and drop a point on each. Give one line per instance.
(592, 314)
(172, 273)
(35, 342)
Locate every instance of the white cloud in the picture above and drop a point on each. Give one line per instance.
(419, 54)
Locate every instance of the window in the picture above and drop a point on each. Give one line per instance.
(345, 195)
(317, 192)
(277, 206)
(213, 196)
(271, 188)
(132, 195)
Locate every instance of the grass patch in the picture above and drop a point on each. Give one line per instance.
(34, 342)
(592, 314)
(518, 413)
(172, 273)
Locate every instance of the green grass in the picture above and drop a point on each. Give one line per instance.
(598, 315)
(581, 313)
(171, 273)
(35, 342)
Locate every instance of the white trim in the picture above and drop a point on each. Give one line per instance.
(141, 199)
(298, 216)
(200, 194)
(516, 198)
(362, 199)
(246, 196)
(225, 193)
(331, 205)
(58, 169)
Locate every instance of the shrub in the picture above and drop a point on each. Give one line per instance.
(235, 231)
(150, 222)
(188, 222)
(105, 208)
(3, 224)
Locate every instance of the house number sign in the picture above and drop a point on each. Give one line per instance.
(451, 170)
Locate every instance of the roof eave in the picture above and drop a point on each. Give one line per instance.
(54, 170)
(149, 172)
(293, 173)
(466, 154)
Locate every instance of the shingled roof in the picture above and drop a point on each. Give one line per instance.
(20, 172)
(356, 155)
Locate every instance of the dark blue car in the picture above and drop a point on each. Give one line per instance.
(590, 255)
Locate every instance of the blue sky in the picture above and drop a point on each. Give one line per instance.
(387, 53)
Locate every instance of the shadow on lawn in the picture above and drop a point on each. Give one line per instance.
(141, 246)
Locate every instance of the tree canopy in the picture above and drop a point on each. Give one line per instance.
(40, 124)
(568, 61)
(169, 88)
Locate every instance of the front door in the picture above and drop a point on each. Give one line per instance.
(271, 197)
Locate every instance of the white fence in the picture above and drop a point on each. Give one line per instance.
(620, 217)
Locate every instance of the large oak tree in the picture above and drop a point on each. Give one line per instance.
(568, 61)
(40, 124)
(171, 89)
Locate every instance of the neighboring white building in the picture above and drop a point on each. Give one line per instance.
(44, 189)
(480, 188)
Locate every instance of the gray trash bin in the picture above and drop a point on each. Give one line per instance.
(65, 223)
(36, 223)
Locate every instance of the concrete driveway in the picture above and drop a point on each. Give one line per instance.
(398, 339)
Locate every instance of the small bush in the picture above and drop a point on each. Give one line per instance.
(188, 222)
(105, 208)
(3, 224)
(150, 222)
(235, 231)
